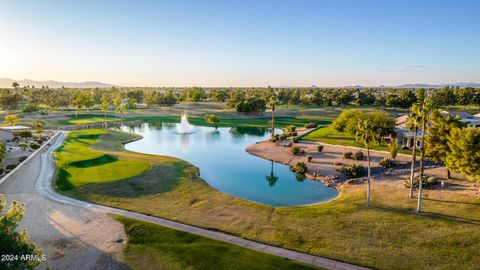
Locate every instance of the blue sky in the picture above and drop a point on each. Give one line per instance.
(241, 43)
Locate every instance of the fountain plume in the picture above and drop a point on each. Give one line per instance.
(184, 127)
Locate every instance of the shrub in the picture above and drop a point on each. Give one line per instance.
(291, 128)
(44, 112)
(283, 136)
(21, 159)
(309, 158)
(29, 108)
(295, 139)
(386, 163)
(393, 150)
(311, 125)
(347, 155)
(2, 170)
(293, 133)
(358, 155)
(273, 139)
(320, 148)
(24, 134)
(295, 150)
(427, 181)
(11, 167)
(300, 168)
(353, 171)
(34, 145)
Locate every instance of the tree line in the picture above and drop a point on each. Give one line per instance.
(254, 99)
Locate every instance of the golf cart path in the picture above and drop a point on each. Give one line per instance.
(71, 237)
(44, 188)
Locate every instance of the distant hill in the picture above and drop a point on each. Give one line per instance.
(7, 83)
(422, 85)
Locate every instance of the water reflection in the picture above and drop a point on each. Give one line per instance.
(271, 179)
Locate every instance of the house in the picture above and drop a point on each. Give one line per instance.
(405, 137)
(7, 133)
(466, 117)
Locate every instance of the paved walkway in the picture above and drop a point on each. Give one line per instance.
(43, 187)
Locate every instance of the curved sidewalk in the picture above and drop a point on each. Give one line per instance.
(43, 187)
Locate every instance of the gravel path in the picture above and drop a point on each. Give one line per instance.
(84, 238)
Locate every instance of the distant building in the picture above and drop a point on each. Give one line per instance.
(405, 137)
(466, 117)
(7, 133)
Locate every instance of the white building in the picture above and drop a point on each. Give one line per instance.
(7, 133)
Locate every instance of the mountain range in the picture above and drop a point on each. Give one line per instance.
(7, 83)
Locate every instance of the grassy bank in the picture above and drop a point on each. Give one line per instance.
(331, 136)
(388, 236)
(152, 246)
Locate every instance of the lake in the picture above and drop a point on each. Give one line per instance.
(226, 166)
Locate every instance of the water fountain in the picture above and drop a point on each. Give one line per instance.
(184, 127)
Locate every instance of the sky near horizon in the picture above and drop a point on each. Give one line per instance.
(241, 43)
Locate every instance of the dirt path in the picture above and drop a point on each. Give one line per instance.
(72, 237)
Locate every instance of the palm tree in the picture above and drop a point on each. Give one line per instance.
(273, 101)
(366, 135)
(413, 123)
(427, 108)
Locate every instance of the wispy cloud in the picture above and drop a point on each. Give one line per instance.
(402, 68)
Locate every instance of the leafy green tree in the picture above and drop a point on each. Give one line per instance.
(11, 120)
(122, 110)
(23, 145)
(104, 106)
(117, 103)
(39, 124)
(436, 144)
(348, 121)
(273, 102)
(13, 242)
(406, 98)
(464, 154)
(131, 104)
(367, 135)
(212, 119)
(15, 85)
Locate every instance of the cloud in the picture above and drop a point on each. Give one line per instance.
(402, 68)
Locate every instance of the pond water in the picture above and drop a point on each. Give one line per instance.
(226, 166)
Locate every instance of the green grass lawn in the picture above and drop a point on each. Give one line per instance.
(82, 119)
(331, 136)
(389, 235)
(152, 246)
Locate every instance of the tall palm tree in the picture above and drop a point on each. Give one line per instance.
(367, 135)
(427, 108)
(413, 123)
(273, 101)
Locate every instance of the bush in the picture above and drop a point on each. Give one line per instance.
(291, 128)
(294, 133)
(427, 181)
(309, 158)
(295, 139)
(300, 168)
(2, 170)
(320, 148)
(283, 136)
(393, 150)
(11, 167)
(386, 163)
(295, 150)
(347, 155)
(274, 139)
(358, 155)
(44, 112)
(311, 125)
(353, 171)
(34, 145)
(24, 134)
(21, 159)
(29, 108)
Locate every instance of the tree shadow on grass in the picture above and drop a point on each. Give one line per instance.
(158, 179)
(445, 201)
(431, 215)
(102, 160)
